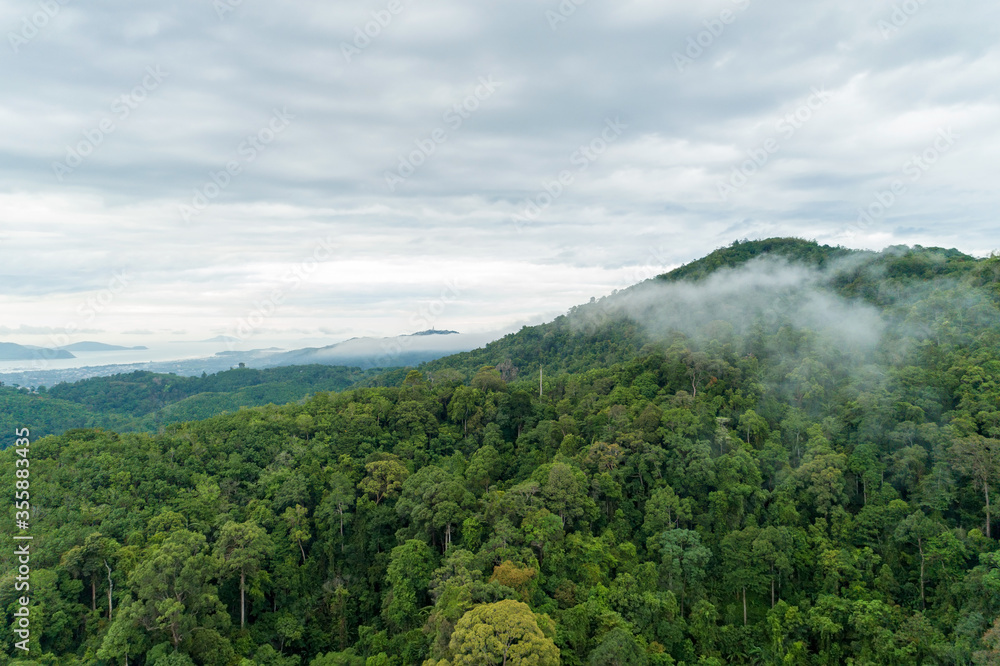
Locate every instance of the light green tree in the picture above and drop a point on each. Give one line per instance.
(505, 633)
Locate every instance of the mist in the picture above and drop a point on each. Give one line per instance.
(761, 297)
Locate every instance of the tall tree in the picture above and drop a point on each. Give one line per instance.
(242, 548)
(174, 590)
(917, 529)
(684, 560)
(979, 457)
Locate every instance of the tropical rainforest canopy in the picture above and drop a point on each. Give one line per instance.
(783, 453)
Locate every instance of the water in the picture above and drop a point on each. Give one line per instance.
(157, 353)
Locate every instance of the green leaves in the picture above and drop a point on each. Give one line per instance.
(505, 633)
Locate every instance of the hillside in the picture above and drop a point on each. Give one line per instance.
(793, 250)
(145, 400)
(615, 328)
(768, 461)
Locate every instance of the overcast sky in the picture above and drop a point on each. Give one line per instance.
(310, 169)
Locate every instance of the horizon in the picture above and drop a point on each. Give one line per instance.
(257, 340)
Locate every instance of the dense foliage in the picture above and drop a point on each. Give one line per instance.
(750, 491)
(146, 400)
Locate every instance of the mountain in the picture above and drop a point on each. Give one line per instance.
(401, 350)
(789, 455)
(10, 351)
(87, 346)
(218, 338)
(764, 279)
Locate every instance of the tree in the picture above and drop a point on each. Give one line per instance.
(918, 528)
(664, 510)
(565, 491)
(867, 468)
(173, 588)
(346, 658)
(298, 526)
(242, 548)
(684, 560)
(618, 648)
(991, 639)
(979, 457)
(541, 528)
(741, 568)
(518, 578)
(338, 500)
(463, 404)
(435, 500)
(92, 561)
(125, 637)
(505, 633)
(408, 575)
(488, 379)
(384, 479)
(484, 467)
(753, 427)
(773, 547)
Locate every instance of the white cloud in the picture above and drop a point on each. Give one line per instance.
(61, 242)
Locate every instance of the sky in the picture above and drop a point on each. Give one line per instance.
(280, 171)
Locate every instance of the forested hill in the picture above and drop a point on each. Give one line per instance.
(615, 328)
(147, 400)
(780, 462)
(794, 250)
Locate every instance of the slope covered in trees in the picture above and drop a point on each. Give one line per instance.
(774, 463)
(147, 400)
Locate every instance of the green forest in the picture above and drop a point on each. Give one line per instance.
(146, 400)
(783, 453)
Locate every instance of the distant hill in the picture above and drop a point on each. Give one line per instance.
(396, 351)
(146, 400)
(10, 351)
(88, 346)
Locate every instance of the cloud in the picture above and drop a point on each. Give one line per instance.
(651, 198)
(762, 295)
(41, 330)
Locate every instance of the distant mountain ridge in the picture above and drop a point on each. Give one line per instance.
(90, 346)
(395, 351)
(11, 351)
